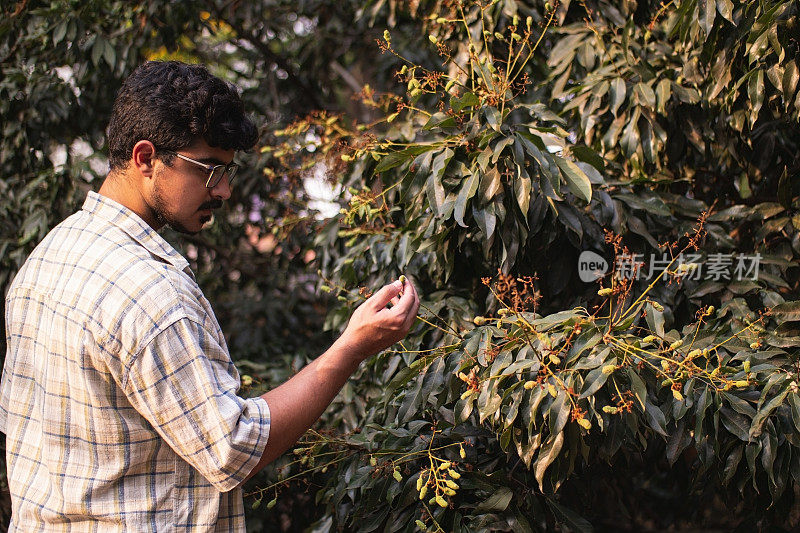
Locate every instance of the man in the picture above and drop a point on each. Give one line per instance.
(118, 398)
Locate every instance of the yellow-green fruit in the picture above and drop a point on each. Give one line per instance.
(422, 492)
(746, 366)
(675, 345)
(419, 482)
(741, 383)
(609, 369)
(441, 501)
(552, 390)
(454, 474)
(386, 35)
(677, 395)
(402, 278)
(657, 306)
(467, 394)
(452, 484)
(445, 465)
(461, 452)
(397, 476)
(271, 503)
(432, 38)
(373, 461)
(585, 424)
(529, 384)
(649, 338)
(420, 524)
(610, 409)
(479, 321)
(604, 292)
(694, 353)
(449, 491)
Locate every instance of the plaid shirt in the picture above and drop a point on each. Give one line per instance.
(118, 398)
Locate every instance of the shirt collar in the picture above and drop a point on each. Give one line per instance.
(139, 230)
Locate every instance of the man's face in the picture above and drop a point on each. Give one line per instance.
(179, 196)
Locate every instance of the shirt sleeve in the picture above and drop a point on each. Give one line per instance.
(184, 383)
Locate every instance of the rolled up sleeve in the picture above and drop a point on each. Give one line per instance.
(185, 384)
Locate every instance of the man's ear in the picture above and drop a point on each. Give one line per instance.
(143, 158)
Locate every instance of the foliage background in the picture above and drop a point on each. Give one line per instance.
(659, 112)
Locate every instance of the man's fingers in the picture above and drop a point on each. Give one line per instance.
(385, 295)
(408, 303)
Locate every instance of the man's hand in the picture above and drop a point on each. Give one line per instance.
(374, 326)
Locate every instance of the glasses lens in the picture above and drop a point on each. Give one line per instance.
(215, 176)
(232, 168)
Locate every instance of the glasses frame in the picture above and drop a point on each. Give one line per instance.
(228, 170)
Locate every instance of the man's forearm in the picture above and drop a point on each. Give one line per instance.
(296, 404)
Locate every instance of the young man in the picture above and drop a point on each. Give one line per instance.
(119, 397)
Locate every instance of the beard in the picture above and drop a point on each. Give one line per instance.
(158, 207)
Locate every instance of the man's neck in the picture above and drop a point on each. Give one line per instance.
(118, 187)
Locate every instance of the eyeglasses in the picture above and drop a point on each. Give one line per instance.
(215, 172)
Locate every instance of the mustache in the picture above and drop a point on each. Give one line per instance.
(213, 204)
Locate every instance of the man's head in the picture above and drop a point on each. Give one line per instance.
(173, 105)
(170, 123)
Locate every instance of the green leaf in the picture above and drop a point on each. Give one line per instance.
(655, 418)
(497, 502)
(755, 91)
(569, 518)
(617, 94)
(645, 95)
(725, 8)
(736, 423)
(630, 136)
(466, 192)
(766, 410)
(466, 100)
(549, 452)
(794, 404)
(493, 118)
(708, 13)
(522, 192)
(576, 179)
(594, 380)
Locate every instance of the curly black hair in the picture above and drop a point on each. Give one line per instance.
(173, 104)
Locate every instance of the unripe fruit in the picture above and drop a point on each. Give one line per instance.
(755, 345)
(397, 476)
(694, 353)
(746, 366)
(741, 383)
(454, 474)
(604, 292)
(675, 345)
(452, 484)
(372, 461)
(271, 503)
(432, 38)
(609, 369)
(678, 396)
(441, 501)
(649, 338)
(610, 409)
(585, 424)
(657, 306)
(420, 524)
(423, 491)
(552, 390)
(445, 465)
(529, 384)
(479, 321)
(402, 279)
(461, 452)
